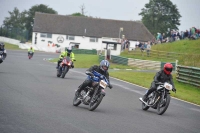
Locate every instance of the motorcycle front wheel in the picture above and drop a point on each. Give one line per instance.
(163, 105)
(93, 105)
(144, 106)
(76, 101)
(64, 71)
(58, 72)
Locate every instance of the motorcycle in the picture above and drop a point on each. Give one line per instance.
(30, 54)
(158, 99)
(2, 57)
(92, 96)
(64, 67)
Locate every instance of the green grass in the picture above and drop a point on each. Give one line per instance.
(184, 91)
(86, 61)
(11, 46)
(189, 48)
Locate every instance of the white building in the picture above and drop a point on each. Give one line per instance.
(51, 29)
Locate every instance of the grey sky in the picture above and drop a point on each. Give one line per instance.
(107, 9)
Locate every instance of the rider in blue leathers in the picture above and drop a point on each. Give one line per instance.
(102, 69)
(3, 53)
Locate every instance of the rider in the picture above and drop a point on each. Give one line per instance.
(30, 50)
(161, 76)
(102, 69)
(64, 54)
(2, 51)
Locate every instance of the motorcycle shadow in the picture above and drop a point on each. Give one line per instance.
(86, 108)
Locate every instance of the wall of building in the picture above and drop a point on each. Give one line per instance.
(64, 42)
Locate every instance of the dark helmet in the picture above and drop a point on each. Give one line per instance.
(168, 67)
(104, 65)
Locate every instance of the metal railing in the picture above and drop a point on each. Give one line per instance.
(189, 75)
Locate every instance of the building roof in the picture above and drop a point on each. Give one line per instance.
(91, 27)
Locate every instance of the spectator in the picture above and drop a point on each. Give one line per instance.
(148, 48)
(142, 48)
(137, 44)
(127, 44)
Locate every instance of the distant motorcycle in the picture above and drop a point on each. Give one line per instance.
(1, 57)
(92, 96)
(158, 99)
(64, 67)
(30, 54)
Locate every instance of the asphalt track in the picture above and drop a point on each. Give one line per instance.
(34, 100)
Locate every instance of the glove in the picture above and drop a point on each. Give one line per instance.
(110, 86)
(74, 60)
(174, 90)
(91, 74)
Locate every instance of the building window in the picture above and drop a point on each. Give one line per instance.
(70, 37)
(45, 35)
(93, 39)
(49, 35)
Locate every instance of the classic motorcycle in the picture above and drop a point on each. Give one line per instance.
(64, 67)
(158, 99)
(92, 96)
(30, 54)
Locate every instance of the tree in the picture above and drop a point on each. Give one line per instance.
(77, 14)
(14, 20)
(14, 23)
(159, 15)
(29, 21)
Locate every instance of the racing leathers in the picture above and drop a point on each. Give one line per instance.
(159, 77)
(88, 82)
(64, 54)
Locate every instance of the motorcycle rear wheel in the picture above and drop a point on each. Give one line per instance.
(94, 105)
(162, 107)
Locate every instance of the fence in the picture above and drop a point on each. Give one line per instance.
(144, 64)
(184, 59)
(84, 51)
(189, 75)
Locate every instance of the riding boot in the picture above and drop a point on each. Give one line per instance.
(83, 85)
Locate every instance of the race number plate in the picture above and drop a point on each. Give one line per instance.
(103, 84)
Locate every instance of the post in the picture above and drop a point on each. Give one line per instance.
(176, 65)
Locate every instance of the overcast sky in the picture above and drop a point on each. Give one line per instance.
(107, 9)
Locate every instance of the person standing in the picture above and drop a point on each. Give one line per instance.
(148, 48)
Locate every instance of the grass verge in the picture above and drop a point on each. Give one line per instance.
(11, 46)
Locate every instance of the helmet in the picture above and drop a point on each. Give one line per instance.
(104, 65)
(31, 47)
(168, 68)
(69, 49)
